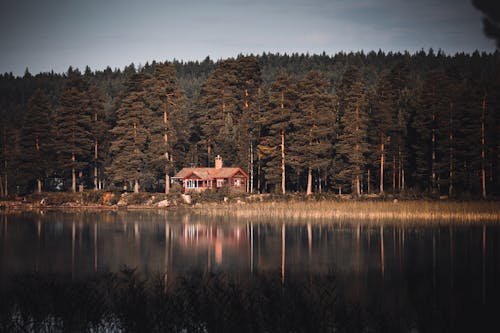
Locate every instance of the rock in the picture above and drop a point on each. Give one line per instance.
(163, 204)
(122, 202)
(186, 198)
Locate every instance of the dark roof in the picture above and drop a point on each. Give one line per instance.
(209, 173)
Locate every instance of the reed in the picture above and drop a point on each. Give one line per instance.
(377, 212)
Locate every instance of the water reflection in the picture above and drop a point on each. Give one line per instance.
(443, 272)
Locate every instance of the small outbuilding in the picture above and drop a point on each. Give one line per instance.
(201, 179)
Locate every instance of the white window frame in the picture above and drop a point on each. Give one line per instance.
(192, 183)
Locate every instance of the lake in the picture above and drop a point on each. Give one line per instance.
(260, 275)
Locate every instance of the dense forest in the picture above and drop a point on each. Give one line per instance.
(426, 123)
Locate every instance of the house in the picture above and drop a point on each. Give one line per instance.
(201, 179)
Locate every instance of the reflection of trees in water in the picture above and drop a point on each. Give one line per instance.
(129, 301)
(213, 302)
(219, 302)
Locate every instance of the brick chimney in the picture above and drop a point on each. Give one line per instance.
(218, 162)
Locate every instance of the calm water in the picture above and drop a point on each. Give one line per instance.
(440, 278)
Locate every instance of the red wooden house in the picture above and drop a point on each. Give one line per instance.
(201, 179)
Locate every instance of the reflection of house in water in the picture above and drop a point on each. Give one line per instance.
(219, 238)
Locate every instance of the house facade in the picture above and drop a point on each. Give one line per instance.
(201, 179)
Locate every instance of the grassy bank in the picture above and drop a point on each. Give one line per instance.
(426, 211)
(292, 207)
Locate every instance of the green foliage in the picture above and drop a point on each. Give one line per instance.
(149, 128)
(36, 156)
(218, 195)
(352, 144)
(232, 107)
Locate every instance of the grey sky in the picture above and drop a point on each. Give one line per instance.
(49, 35)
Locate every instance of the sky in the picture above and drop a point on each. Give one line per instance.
(45, 35)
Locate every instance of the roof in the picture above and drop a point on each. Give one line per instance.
(209, 173)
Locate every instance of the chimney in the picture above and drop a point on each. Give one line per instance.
(218, 162)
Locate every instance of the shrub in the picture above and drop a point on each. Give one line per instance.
(138, 198)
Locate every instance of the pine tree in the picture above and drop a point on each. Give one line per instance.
(73, 138)
(390, 114)
(99, 128)
(313, 127)
(276, 121)
(383, 122)
(8, 138)
(433, 103)
(352, 144)
(405, 103)
(225, 110)
(217, 112)
(130, 160)
(37, 141)
(167, 102)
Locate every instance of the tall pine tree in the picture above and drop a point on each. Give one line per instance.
(73, 130)
(352, 144)
(36, 146)
(314, 127)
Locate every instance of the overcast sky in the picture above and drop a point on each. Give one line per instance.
(46, 35)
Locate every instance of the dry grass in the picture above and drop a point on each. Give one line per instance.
(405, 211)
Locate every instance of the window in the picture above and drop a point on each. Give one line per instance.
(237, 182)
(190, 183)
(220, 182)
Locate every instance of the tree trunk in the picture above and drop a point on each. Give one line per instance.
(309, 181)
(320, 185)
(258, 173)
(80, 184)
(167, 183)
(73, 174)
(38, 185)
(393, 174)
(450, 176)
(433, 154)
(402, 179)
(96, 147)
(165, 139)
(251, 166)
(136, 186)
(283, 161)
(368, 182)
(208, 155)
(5, 182)
(357, 185)
(483, 150)
(382, 155)
(400, 169)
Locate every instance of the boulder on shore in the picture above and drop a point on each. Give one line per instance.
(163, 204)
(186, 198)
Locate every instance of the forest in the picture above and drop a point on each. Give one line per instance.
(351, 123)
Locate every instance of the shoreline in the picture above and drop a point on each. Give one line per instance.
(292, 210)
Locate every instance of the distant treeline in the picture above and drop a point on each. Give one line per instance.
(349, 123)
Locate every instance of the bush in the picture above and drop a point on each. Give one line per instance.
(210, 196)
(93, 197)
(138, 198)
(54, 198)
